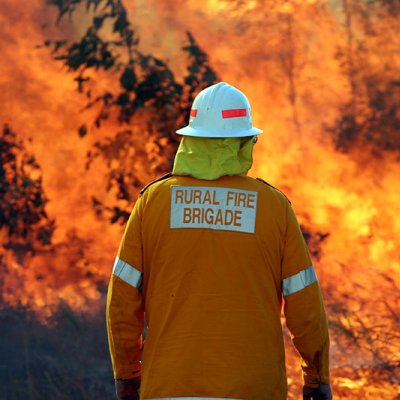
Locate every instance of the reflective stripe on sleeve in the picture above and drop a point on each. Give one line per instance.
(299, 281)
(127, 273)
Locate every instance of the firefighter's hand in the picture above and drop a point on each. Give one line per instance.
(127, 389)
(323, 392)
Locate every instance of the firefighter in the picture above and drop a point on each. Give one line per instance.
(210, 256)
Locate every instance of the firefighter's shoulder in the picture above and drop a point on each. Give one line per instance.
(275, 188)
(161, 178)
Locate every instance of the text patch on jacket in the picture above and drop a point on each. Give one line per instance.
(218, 208)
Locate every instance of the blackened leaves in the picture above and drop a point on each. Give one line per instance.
(314, 241)
(146, 95)
(200, 74)
(369, 117)
(64, 6)
(144, 80)
(82, 130)
(90, 52)
(376, 125)
(22, 200)
(128, 79)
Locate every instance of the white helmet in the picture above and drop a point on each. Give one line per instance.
(220, 111)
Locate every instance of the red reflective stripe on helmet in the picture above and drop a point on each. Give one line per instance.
(193, 112)
(239, 112)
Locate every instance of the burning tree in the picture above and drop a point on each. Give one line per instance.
(148, 100)
(370, 117)
(24, 223)
(30, 263)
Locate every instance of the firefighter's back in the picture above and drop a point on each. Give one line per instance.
(212, 253)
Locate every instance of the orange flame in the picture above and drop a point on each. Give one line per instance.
(284, 57)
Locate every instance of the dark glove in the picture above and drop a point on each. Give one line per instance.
(322, 392)
(127, 389)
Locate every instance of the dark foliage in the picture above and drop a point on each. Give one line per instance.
(370, 117)
(377, 122)
(22, 199)
(147, 97)
(314, 241)
(392, 6)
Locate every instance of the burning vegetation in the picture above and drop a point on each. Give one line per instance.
(93, 91)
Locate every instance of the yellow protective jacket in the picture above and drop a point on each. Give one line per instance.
(209, 264)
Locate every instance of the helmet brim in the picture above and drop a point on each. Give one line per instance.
(189, 131)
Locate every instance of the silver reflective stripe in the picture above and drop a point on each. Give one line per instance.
(127, 273)
(299, 281)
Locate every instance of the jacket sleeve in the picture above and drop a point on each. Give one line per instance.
(303, 305)
(125, 311)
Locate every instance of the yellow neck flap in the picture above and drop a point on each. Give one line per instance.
(209, 159)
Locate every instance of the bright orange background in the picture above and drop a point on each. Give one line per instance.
(353, 196)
